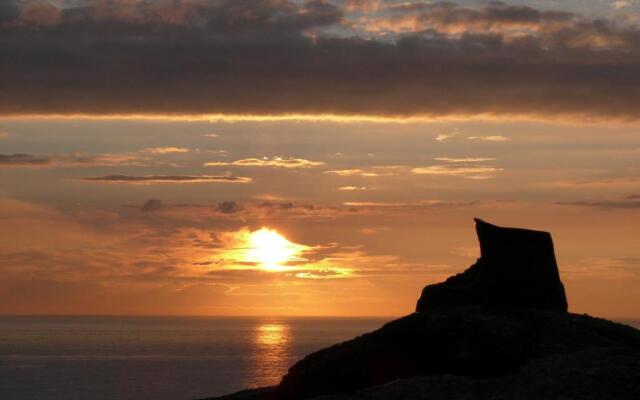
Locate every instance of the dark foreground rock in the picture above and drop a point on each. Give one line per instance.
(499, 330)
(473, 353)
(517, 268)
(601, 376)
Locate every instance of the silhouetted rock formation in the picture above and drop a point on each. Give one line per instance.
(472, 353)
(502, 339)
(517, 267)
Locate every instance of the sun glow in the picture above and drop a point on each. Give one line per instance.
(267, 250)
(271, 250)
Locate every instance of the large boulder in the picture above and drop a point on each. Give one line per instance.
(517, 268)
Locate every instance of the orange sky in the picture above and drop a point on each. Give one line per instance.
(310, 158)
(374, 211)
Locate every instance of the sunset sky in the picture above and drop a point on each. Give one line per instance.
(279, 157)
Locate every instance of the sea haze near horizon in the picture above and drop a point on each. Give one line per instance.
(163, 358)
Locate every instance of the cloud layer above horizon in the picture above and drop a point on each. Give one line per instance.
(277, 57)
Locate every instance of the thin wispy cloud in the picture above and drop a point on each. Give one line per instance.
(151, 179)
(443, 137)
(470, 171)
(351, 188)
(277, 162)
(399, 207)
(373, 204)
(490, 138)
(166, 150)
(621, 183)
(628, 202)
(464, 159)
(603, 204)
(373, 230)
(219, 152)
(372, 173)
(604, 268)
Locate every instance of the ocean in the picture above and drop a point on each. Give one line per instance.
(160, 358)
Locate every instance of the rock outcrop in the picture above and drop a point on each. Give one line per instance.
(516, 268)
(500, 330)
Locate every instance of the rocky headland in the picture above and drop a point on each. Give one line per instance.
(499, 330)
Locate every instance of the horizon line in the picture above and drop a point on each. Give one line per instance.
(618, 318)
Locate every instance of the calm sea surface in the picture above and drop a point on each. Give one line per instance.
(95, 358)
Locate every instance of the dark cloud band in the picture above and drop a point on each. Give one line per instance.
(605, 205)
(280, 57)
(26, 160)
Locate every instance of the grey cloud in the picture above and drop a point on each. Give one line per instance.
(148, 179)
(244, 211)
(152, 205)
(72, 160)
(605, 204)
(228, 17)
(228, 207)
(494, 13)
(285, 205)
(276, 57)
(8, 11)
(24, 160)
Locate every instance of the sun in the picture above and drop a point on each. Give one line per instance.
(271, 250)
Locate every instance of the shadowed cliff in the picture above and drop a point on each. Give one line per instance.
(499, 330)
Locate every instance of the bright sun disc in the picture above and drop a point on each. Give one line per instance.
(271, 250)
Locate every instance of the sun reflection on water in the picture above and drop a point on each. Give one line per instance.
(271, 353)
(272, 334)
